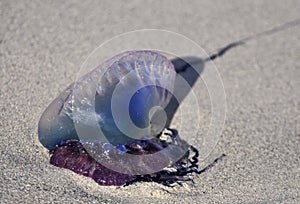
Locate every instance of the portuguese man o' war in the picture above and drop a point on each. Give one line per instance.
(110, 125)
(114, 116)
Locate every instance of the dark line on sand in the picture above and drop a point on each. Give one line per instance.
(271, 31)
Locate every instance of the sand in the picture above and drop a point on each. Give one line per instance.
(43, 43)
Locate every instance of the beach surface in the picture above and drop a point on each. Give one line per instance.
(44, 43)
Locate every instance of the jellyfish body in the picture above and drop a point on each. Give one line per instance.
(119, 105)
(144, 79)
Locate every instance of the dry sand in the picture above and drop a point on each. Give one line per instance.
(43, 43)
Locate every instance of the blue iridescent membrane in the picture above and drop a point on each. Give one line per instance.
(94, 94)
